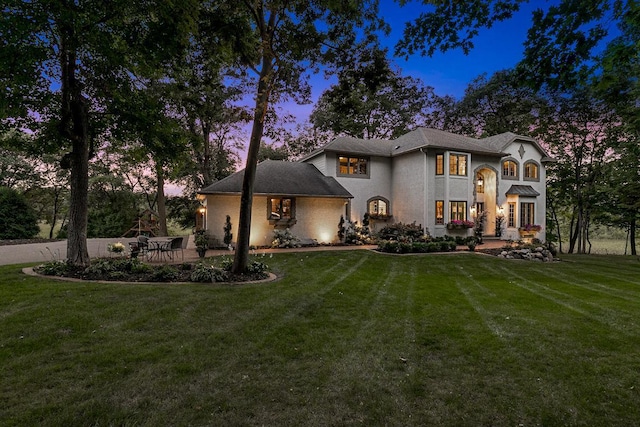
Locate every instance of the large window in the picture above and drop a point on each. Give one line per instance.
(378, 207)
(527, 213)
(458, 211)
(440, 164)
(281, 208)
(353, 166)
(457, 164)
(510, 169)
(511, 219)
(531, 171)
(439, 211)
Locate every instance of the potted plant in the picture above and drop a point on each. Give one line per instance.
(116, 248)
(202, 243)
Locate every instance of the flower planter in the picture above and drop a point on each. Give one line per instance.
(527, 234)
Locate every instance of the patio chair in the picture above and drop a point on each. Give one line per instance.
(143, 245)
(174, 246)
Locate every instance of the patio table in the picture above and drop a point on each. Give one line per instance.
(157, 249)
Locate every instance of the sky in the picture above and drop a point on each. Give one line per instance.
(449, 73)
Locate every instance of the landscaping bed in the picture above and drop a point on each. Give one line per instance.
(133, 270)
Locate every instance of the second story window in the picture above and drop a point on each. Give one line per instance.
(353, 166)
(510, 169)
(458, 164)
(531, 171)
(440, 164)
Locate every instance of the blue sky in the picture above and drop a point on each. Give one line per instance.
(449, 73)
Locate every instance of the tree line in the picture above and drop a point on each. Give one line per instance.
(116, 91)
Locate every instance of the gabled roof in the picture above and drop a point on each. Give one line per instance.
(282, 178)
(501, 141)
(434, 138)
(418, 139)
(522, 190)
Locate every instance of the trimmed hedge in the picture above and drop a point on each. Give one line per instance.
(399, 247)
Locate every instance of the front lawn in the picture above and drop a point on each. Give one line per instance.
(344, 338)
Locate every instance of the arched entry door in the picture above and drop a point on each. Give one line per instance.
(486, 196)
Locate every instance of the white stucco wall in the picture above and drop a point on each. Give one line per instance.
(364, 188)
(530, 152)
(316, 218)
(408, 188)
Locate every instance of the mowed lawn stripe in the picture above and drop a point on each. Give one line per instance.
(343, 338)
(618, 315)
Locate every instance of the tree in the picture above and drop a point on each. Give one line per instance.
(560, 45)
(578, 132)
(290, 37)
(63, 62)
(18, 220)
(619, 86)
(499, 104)
(372, 100)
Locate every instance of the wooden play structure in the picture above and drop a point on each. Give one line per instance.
(145, 225)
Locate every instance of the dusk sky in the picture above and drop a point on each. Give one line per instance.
(449, 73)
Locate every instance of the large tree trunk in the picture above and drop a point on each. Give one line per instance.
(162, 208)
(74, 125)
(241, 258)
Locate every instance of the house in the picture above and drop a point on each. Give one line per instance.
(427, 176)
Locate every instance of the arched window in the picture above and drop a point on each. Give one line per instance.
(510, 169)
(378, 207)
(531, 171)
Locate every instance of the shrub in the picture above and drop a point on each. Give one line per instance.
(403, 247)
(208, 274)
(52, 268)
(228, 236)
(258, 269)
(166, 273)
(18, 220)
(284, 239)
(226, 263)
(397, 230)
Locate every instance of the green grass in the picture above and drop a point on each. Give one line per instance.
(344, 338)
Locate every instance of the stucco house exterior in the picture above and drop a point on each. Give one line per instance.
(427, 176)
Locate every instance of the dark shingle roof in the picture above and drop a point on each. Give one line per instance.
(282, 178)
(434, 138)
(522, 190)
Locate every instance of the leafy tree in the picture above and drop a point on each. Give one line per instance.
(560, 45)
(578, 132)
(499, 104)
(63, 62)
(18, 220)
(372, 100)
(290, 38)
(50, 198)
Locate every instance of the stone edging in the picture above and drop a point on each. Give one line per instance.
(29, 271)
